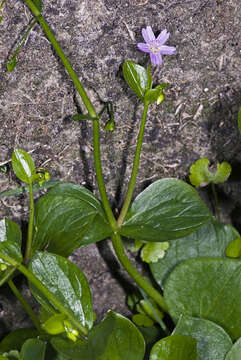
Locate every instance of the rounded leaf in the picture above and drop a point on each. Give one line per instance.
(23, 165)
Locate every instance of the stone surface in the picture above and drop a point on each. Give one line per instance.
(198, 118)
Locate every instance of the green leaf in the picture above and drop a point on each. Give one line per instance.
(115, 338)
(23, 165)
(16, 338)
(155, 95)
(136, 77)
(33, 349)
(68, 217)
(200, 175)
(234, 248)
(208, 288)
(152, 252)
(239, 120)
(213, 342)
(235, 352)
(175, 347)
(78, 117)
(67, 282)
(11, 64)
(38, 4)
(168, 209)
(10, 240)
(210, 239)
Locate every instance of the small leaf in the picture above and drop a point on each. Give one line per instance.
(213, 342)
(78, 117)
(110, 126)
(168, 209)
(210, 239)
(16, 338)
(239, 120)
(235, 351)
(33, 349)
(200, 175)
(55, 324)
(115, 338)
(175, 347)
(11, 64)
(207, 288)
(152, 252)
(67, 282)
(23, 165)
(155, 95)
(10, 240)
(142, 320)
(136, 77)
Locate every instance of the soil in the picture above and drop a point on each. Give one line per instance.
(197, 119)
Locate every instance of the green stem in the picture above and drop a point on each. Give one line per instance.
(23, 39)
(146, 286)
(216, 201)
(132, 181)
(30, 225)
(26, 306)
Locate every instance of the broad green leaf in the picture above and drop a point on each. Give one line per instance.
(210, 239)
(200, 175)
(213, 342)
(152, 252)
(10, 240)
(239, 120)
(175, 347)
(23, 165)
(16, 338)
(168, 209)
(67, 282)
(234, 248)
(136, 77)
(67, 217)
(115, 338)
(207, 288)
(33, 349)
(235, 352)
(38, 4)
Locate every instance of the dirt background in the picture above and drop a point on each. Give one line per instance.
(198, 118)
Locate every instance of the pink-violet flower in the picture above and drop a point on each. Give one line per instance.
(155, 46)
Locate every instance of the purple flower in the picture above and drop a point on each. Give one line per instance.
(154, 46)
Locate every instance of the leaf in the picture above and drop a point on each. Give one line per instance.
(235, 351)
(115, 338)
(175, 347)
(10, 240)
(11, 64)
(155, 95)
(168, 209)
(234, 248)
(67, 217)
(33, 349)
(67, 282)
(200, 175)
(136, 77)
(16, 338)
(152, 252)
(38, 4)
(210, 239)
(239, 120)
(207, 288)
(212, 341)
(23, 165)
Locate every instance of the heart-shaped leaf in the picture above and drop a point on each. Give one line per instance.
(136, 77)
(235, 352)
(168, 209)
(208, 288)
(67, 217)
(210, 239)
(213, 342)
(67, 282)
(115, 338)
(23, 165)
(175, 347)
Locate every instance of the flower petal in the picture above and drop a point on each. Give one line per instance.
(167, 50)
(163, 36)
(156, 59)
(144, 47)
(148, 34)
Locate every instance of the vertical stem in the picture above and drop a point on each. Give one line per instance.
(216, 200)
(30, 225)
(132, 181)
(26, 306)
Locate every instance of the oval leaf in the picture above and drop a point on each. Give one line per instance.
(23, 165)
(168, 209)
(210, 239)
(213, 342)
(136, 77)
(33, 349)
(235, 352)
(67, 282)
(208, 288)
(115, 338)
(67, 217)
(175, 347)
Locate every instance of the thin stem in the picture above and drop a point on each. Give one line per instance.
(24, 38)
(26, 306)
(216, 200)
(146, 286)
(132, 181)
(30, 225)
